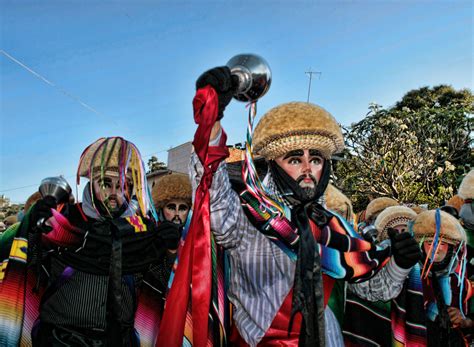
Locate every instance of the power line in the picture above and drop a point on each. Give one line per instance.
(311, 73)
(28, 186)
(62, 90)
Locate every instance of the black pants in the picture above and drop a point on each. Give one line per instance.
(48, 335)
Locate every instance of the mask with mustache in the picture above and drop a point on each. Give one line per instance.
(105, 208)
(293, 190)
(308, 189)
(177, 220)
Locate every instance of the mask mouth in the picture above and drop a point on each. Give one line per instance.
(112, 203)
(307, 181)
(308, 184)
(293, 190)
(177, 220)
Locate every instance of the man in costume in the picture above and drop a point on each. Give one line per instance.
(446, 290)
(466, 215)
(400, 321)
(278, 260)
(465, 207)
(95, 254)
(172, 196)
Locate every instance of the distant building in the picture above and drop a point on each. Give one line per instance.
(178, 157)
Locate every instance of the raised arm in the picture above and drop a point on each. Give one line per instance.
(228, 220)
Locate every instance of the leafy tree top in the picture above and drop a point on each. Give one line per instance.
(155, 165)
(413, 152)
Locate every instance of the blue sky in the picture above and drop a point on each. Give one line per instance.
(135, 63)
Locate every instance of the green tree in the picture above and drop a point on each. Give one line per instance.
(438, 96)
(155, 165)
(414, 152)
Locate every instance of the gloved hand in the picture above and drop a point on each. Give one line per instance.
(170, 233)
(223, 83)
(41, 211)
(405, 249)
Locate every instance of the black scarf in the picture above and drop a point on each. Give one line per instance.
(308, 293)
(112, 248)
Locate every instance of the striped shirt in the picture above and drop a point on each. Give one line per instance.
(261, 273)
(80, 301)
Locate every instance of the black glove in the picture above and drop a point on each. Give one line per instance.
(405, 249)
(170, 233)
(41, 211)
(223, 83)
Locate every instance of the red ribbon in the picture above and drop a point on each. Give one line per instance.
(194, 267)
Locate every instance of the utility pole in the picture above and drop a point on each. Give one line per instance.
(310, 73)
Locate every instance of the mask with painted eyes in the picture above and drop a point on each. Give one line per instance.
(442, 258)
(301, 176)
(176, 211)
(110, 195)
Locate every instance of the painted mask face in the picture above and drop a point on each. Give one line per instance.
(400, 228)
(109, 191)
(304, 166)
(176, 211)
(440, 254)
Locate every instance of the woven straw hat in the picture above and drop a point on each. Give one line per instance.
(107, 154)
(451, 231)
(418, 209)
(466, 189)
(336, 201)
(378, 205)
(175, 186)
(297, 125)
(391, 217)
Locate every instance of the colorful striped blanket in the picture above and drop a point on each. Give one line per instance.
(19, 297)
(398, 322)
(344, 254)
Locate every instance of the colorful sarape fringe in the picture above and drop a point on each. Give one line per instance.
(398, 322)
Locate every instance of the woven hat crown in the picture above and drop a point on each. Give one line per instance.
(451, 231)
(107, 154)
(377, 205)
(297, 125)
(391, 217)
(175, 186)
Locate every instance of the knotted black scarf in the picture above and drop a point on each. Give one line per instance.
(308, 293)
